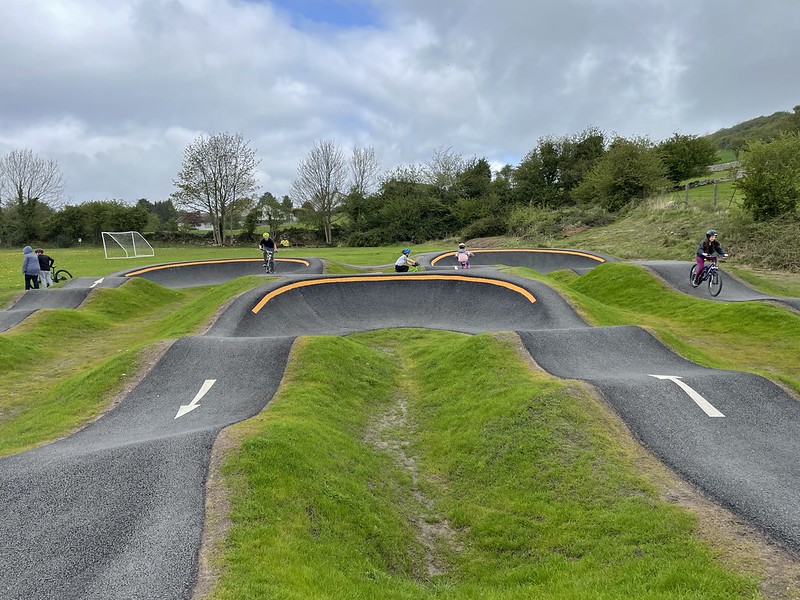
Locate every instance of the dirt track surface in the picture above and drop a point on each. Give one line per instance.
(116, 510)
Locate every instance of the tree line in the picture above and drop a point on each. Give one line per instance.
(345, 197)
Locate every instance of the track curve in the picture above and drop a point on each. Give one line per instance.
(116, 510)
(212, 272)
(676, 274)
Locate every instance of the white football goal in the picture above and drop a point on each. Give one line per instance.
(126, 244)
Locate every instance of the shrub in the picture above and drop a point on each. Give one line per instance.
(485, 227)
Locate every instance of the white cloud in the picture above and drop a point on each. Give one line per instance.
(115, 90)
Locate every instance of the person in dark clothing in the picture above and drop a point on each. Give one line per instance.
(267, 247)
(30, 268)
(705, 251)
(45, 264)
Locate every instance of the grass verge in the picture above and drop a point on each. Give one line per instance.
(384, 469)
(743, 336)
(74, 361)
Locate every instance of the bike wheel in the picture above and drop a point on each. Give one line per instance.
(62, 275)
(715, 283)
(692, 273)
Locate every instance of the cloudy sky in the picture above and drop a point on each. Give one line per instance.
(114, 90)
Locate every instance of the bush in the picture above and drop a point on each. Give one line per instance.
(485, 227)
(539, 225)
(771, 184)
(770, 244)
(367, 239)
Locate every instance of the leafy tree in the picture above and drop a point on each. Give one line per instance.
(321, 179)
(629, 172)
(686, 156)
(276, 211)
(578, 155)
(442, 170)
(66, 226)
(771, 183)
(475, 180)
(412, 212)
(217, 177)
(502, 185)
(165, 211)
(547, 175)
(287, 207)
(163, 214)
(535, 178)
(89, 219)
(794, 120)
(250, 224)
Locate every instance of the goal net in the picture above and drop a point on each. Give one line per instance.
(125, 244)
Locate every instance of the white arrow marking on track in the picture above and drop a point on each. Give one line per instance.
(698, 399)
(97, 282)
(187, 408)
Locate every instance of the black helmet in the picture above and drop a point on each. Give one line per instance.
(711, 232)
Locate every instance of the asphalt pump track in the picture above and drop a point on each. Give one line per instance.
(116, 510)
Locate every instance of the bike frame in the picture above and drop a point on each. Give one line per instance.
(269, 260)
(712, 264)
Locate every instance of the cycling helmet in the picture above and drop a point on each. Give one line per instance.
(711, 232)
(462, 245)
(406, 251)
(266, 234)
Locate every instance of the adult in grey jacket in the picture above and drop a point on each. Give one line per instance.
(30, 268)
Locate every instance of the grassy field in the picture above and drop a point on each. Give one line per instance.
(89, 261)
(382, 470)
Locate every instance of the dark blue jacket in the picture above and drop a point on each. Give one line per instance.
(709, 247)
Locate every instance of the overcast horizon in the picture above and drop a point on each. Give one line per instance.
(114, 91)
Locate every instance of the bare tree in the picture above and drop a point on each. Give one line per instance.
(218, 178)
(27, 178)
(321, 177)
(364, 169)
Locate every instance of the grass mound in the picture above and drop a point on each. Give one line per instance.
(386, 469)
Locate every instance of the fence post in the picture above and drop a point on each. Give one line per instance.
(715, 193)
(687, 195)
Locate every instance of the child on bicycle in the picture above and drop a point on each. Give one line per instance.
(267, 247)
(705, 251)
(462, 255)
(401, 264)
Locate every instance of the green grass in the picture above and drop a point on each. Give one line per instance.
(770, 282)
(727, 195)
(75, 361)
(90, 261)
(540, 495)
(520, 476)
(744, 336)
(725, 156)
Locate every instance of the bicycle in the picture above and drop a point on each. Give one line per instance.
(269, 261)
(416, 268)
(59, 275)
(710, 272)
